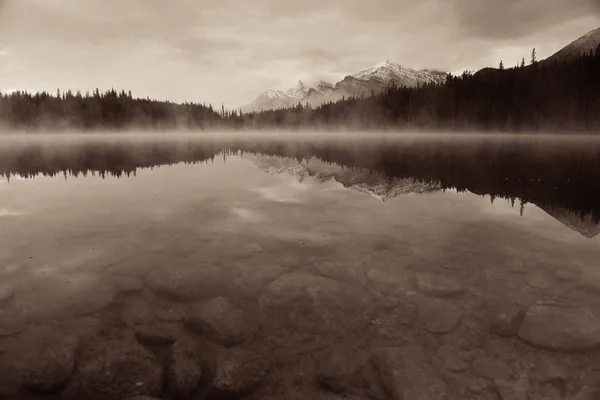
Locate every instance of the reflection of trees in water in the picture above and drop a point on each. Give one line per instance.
(554, 174)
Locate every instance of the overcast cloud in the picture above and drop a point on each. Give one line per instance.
(230, 50)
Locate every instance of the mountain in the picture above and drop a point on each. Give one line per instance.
(274, 99)
(588, 42)
(371, 183)
(387, 190)
(373, 79)
(384, 74)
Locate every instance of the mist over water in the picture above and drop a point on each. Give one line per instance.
(306, 263)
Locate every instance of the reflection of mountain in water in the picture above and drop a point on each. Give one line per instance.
(371, 183)
(383, 188)
(555, 174)
(387, 191)
(584, 225)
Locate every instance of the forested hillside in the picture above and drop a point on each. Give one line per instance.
(551, 96)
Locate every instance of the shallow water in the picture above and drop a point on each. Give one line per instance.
(371, 268)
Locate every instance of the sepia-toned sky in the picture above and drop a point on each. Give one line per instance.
(230, 50)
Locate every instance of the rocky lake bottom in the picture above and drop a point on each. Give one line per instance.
(277, 333)
(258, 278)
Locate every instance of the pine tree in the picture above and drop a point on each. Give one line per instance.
(523, 63)
(501, 64)
(533, 56)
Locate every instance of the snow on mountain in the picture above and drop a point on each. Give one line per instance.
(385, 191)
(373, 79)
(586, 43)
(275, 99)
(275, 94)
(384, 74)
(299, 91)
(389, 72)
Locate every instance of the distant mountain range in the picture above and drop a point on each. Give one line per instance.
(373, 79)
(382, 75)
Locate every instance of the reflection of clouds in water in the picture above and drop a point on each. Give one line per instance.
(299, 185)
(246, 215)
(286, 192)
(10, 268)
(504, 207)
(12, 179)
(44, 270)
(8, 213)
(280, 195)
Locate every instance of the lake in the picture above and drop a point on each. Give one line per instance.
(299, 266)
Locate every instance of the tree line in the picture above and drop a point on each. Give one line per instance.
(110, 110)
(545, 96)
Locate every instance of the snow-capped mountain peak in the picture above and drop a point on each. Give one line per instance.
(389, 71)
(370, 80)
(299, 91)
(274, 94)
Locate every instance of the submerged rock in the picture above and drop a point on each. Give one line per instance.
(170, 313)
(339, 370)
(402, 309)
(51, 368)
(512, 390)
(506, 318)
(157, 333)
(302, 304)
(136, 311)
(219, 320)
(189, 284)
(546, 371)
(491, 369)
(63, 297)
(434, 285)
(438, 316)
(400, 279)
(43, 358)
(185, 370)
(586, 393)
(127, 283)
(560, 327)
(453, 359)
(238, 371)
(406, 375)
(114, 370)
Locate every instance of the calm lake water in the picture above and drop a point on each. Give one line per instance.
(365, 267)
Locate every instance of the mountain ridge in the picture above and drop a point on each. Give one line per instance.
(373, 79)
(584, 44)
(381, 75)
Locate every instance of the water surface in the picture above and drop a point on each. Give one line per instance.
(464, 268)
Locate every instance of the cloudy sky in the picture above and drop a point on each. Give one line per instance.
(230, 50)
